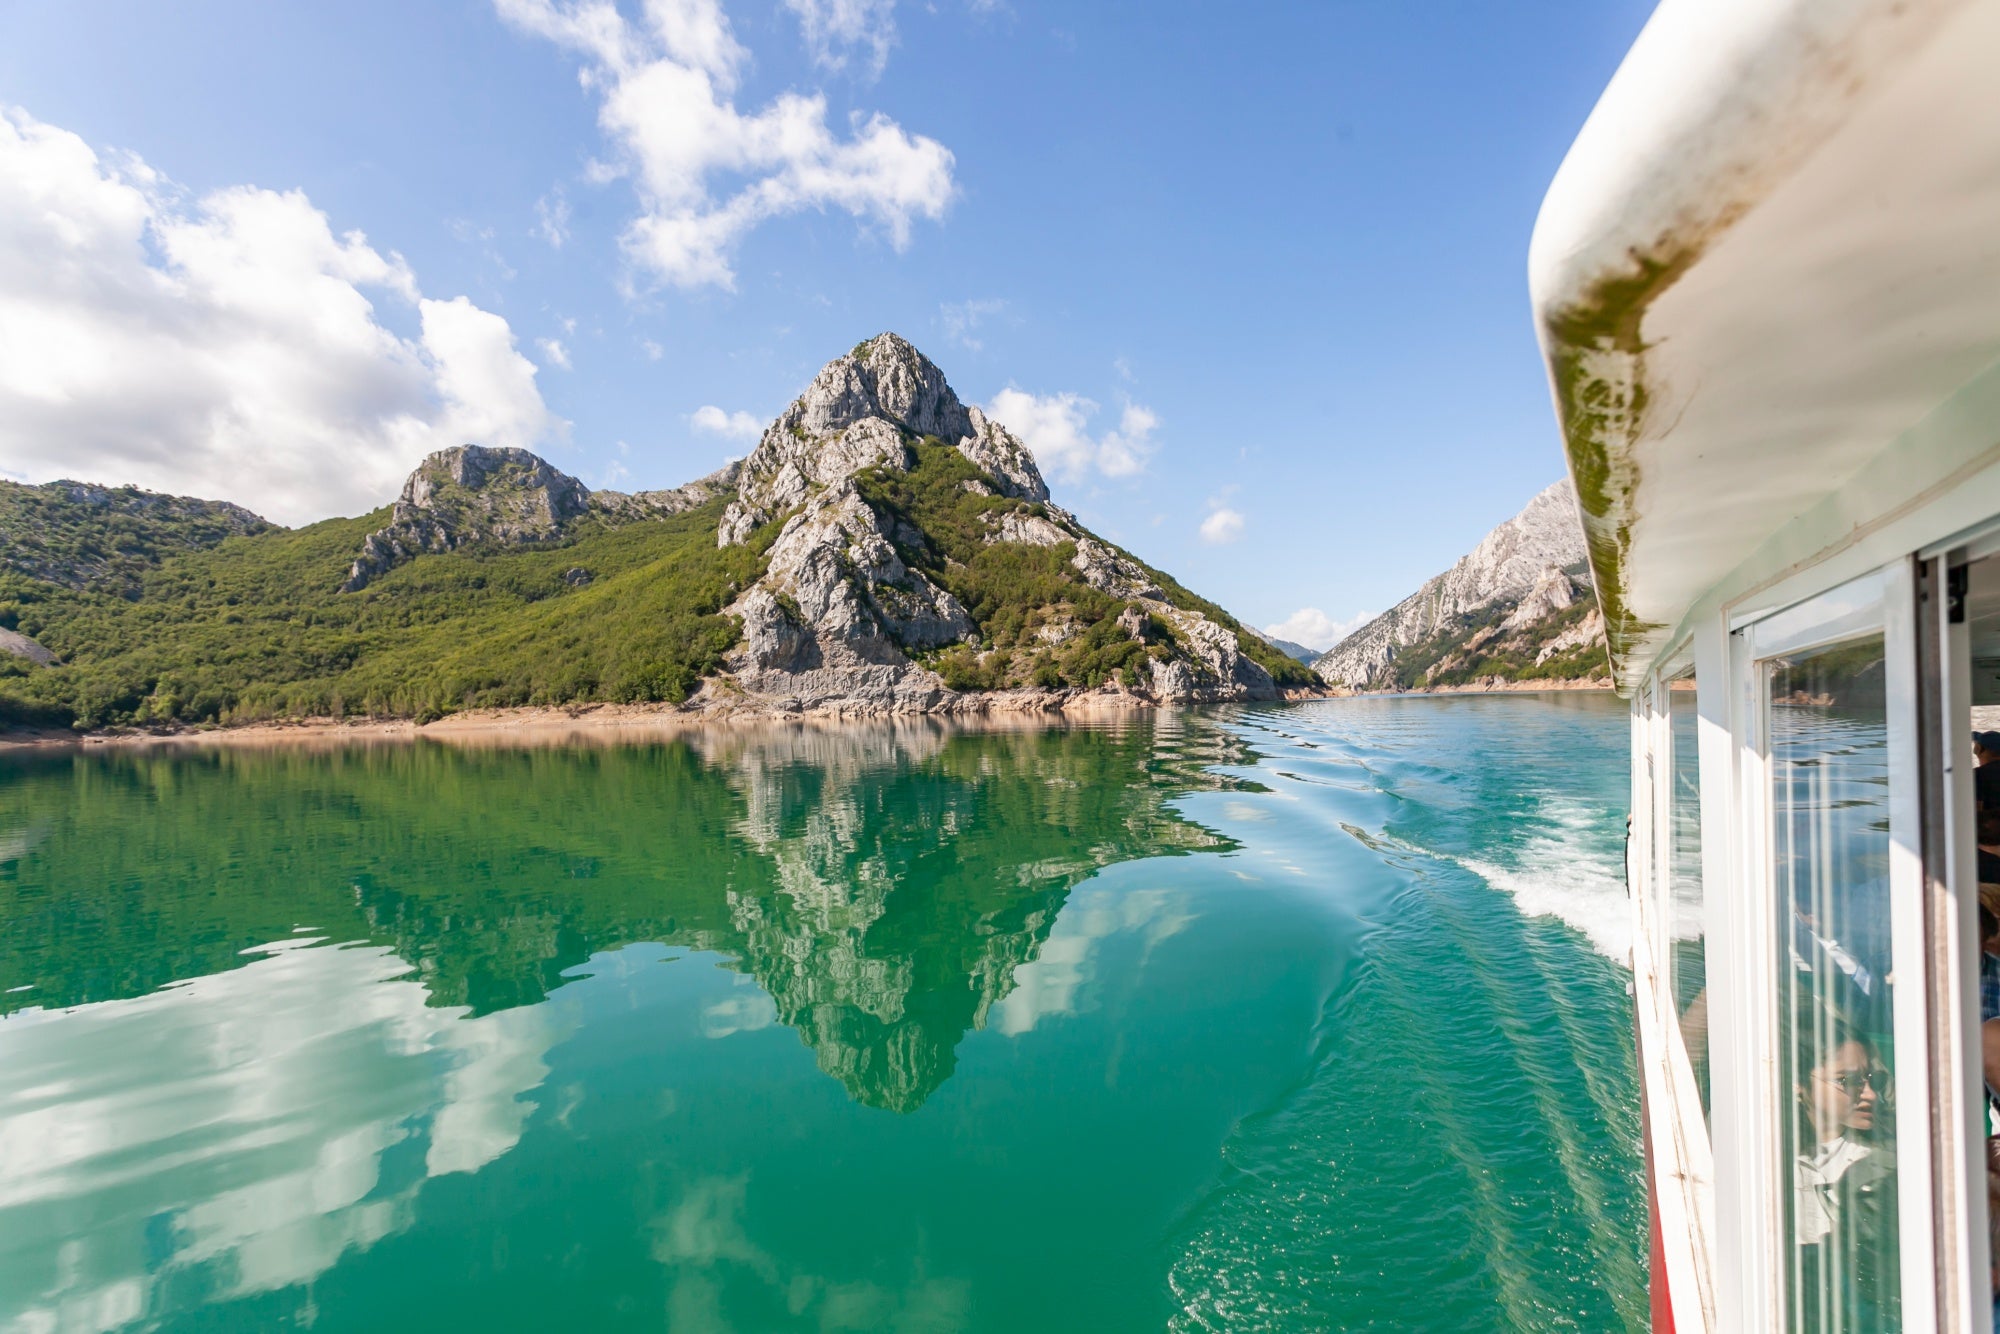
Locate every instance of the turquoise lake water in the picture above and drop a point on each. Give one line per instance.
(1289, 1018)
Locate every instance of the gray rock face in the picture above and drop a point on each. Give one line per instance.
(830, 621)
(471, 494)
(1589, 630)
(1106, 570)
(1030, 529)
(882, 378)
(786, 468)
(861, 411)
(833, 622)
(1215, 661)
(1554, 591)
(20, 646)
(1000, 452)
(1524, 556)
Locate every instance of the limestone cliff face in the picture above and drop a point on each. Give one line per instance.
(859, 411)
(467, 495)
(1524, 559)
(837, 616)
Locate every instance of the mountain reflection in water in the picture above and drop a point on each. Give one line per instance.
(820, 1027)
(882, 883)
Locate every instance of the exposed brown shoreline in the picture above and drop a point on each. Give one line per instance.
(609, 722)
(1493, 687)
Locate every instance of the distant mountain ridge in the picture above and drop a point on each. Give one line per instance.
(1516, 607)
(884, 549)
(1296, 650)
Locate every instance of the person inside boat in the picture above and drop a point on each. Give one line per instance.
(1988, 834)
(1844, 1199)
(1989, 1037)
(1986, 774)
(1989, 953)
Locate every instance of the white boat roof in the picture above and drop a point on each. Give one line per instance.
(1773, 250)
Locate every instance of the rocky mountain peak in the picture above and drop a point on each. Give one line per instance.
(884, 377)
(861, 411)
(1527, 557)
(855, 603)
(471, 494)
(468, 494)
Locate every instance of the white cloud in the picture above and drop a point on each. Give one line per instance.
(227, 346)
(963, 318)
(707, 173)
(652, 349)
(552, 219)
(834, 29)
(730, 425)
(1315, 629)
(1221, 527)
(1056, 428)
(554, 353)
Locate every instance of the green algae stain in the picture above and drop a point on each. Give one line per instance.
(1597, 352)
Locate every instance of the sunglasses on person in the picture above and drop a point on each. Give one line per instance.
(1853, 1081)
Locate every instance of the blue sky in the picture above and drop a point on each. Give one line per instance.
(1249, 277)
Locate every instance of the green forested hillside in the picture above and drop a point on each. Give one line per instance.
(256, 628)
(80, 536)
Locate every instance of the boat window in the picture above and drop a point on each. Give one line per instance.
(1829, 748)
(1687, 971)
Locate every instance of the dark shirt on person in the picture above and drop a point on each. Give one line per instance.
(1986, 785)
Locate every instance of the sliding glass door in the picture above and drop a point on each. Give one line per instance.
(1830, 684)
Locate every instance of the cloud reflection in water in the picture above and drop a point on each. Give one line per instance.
(239, 1123)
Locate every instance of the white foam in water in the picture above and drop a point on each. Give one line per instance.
(1566, 873)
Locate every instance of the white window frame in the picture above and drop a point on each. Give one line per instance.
(1880, 600)
(1684, 1163)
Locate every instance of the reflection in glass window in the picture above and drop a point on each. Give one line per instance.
(1687, 973)
(1830, 843)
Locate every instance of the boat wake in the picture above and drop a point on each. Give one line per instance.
(1562, 870)
(1460, 1151)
